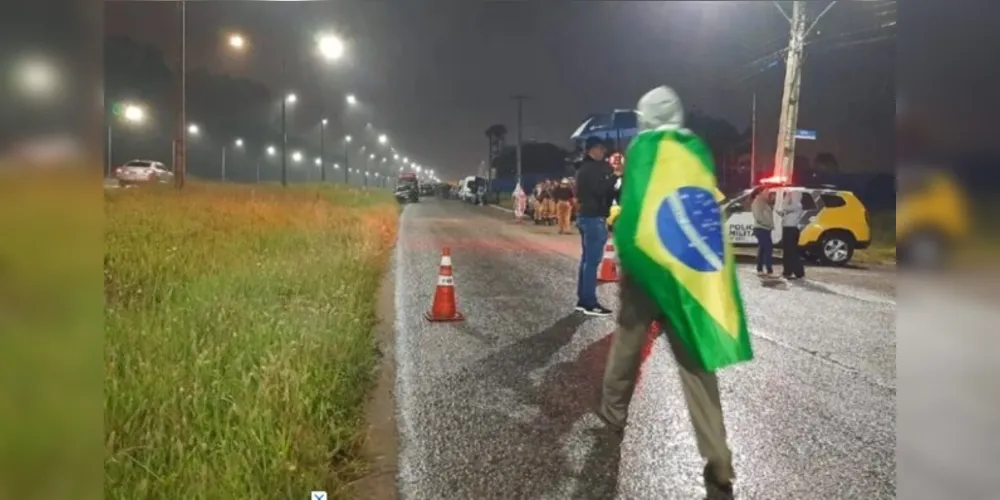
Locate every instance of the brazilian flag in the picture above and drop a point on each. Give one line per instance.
(671, 240)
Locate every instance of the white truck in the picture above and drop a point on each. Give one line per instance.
(468, 187)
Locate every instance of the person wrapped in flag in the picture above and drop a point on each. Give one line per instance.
(678, 269)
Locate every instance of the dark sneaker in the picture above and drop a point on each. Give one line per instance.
(714, 489)
(579, 307)
(597, 310)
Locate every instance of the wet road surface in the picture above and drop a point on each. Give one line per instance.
(497, 406)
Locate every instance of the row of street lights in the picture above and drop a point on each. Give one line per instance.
(329, 47)
(133, 113)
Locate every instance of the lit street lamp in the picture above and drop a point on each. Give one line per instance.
(296, 157)
(382, 139)
(271, 151)
(237, 41)
(239, 143)
(331, 47)
(351, 100)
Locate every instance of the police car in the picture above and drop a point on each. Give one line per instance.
(833, 225)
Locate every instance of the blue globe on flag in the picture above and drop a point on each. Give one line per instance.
(689, 225)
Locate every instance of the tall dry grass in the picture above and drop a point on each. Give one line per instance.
(238, 338)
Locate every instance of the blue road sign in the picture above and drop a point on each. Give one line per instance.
(809, 135)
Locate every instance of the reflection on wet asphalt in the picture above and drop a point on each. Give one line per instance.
(497, 406)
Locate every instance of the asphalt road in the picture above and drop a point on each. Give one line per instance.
(497, 406)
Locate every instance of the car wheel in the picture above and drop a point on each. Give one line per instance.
(924, 250)
(836, 249)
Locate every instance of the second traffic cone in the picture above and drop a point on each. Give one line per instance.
(608, 270)
(444, 307)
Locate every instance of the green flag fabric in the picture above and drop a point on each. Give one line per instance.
(670, 240)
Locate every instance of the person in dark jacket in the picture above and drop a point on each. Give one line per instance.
(595, 186)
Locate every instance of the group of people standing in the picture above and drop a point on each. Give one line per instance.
(790, 213)
(555, 202)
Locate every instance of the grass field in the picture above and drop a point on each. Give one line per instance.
(883, 247)
(238, 338)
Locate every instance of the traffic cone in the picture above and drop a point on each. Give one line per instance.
(444, 307)
(608, 271)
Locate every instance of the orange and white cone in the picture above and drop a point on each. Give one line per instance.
(444, 307)
(608, 270)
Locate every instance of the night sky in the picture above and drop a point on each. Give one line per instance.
(434, 75)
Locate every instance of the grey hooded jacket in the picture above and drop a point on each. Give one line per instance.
(660, 109)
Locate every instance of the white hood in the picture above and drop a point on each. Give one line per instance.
(660, 109)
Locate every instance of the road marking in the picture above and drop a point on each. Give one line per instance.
(498, 207)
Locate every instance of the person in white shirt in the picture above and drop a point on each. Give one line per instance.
(791, 214)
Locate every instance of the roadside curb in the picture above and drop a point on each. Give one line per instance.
(381, 442)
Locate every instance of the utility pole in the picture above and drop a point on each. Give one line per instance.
(520, 126)
(223, 164)
(784, 157)
(753, 142)
(257, 169)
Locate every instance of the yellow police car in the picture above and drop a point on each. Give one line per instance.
(932, 215)
(833, 225)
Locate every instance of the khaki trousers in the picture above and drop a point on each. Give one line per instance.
(701, 389)
(564, 210)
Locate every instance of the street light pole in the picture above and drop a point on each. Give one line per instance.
(347, 164)
(284, 134)
(223, 164)
(180, 144)
(109, 149)
(322, 151)
(520, 127)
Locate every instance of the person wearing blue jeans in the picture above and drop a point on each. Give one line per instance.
(593, 236)
(765, 251)
(595, 189)
(762, 208)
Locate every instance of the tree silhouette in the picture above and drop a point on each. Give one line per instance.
(495, 134)
(826, 162)
(537, 158)
(496, 131)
